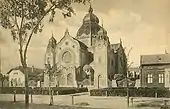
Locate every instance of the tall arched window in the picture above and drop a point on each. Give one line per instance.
(67, 57)
(69, 79)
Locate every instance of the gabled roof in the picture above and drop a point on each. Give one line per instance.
(155, 59)
(134, 69)
(32, 72)
(115, 47)
(67, 34)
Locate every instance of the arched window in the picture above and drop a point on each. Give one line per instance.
(12, 82)
(19, 82)
(69, 79)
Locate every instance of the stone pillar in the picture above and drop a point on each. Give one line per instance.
(74, 77)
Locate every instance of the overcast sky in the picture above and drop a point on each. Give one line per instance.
(143, 25)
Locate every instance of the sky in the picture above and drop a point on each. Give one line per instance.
(143, 25)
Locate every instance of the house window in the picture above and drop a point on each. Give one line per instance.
(161, 78)
(15, 73)
(150, 78)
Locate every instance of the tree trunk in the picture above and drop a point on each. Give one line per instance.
(26, 88)
(2, 83)
(14, 95)
(50, 92)
(127, 92)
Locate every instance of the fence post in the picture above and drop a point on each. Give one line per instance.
(106, 93)
(72, 97)
(31, 98)
(14, 95)
(156, 94)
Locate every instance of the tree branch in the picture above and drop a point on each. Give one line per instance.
(30, 36)
(20, 39)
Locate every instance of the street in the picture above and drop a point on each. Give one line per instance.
(85, 101)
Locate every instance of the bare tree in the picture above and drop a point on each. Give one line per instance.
(24, 18)
(127, 76)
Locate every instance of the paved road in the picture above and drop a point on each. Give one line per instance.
(94, 102)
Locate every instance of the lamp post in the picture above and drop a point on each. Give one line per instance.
(98, 80)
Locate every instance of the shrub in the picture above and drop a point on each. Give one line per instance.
(134, 92)
(43, 90)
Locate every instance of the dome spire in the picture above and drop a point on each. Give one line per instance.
(67, 32)
(102, 26)
(52, 37)
(52, 34)
(120, 41)
(90, 9)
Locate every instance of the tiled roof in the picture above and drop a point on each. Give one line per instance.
(155, 59)
(134, 69)
(33, 72)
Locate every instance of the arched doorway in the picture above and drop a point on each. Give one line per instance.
(61, 80)
(69, 79)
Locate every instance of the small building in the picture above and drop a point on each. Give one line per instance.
(17, 76)
(154, 70)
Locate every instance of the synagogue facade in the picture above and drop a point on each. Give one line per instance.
(87, 59)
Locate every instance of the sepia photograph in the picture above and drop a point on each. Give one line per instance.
(84, 54)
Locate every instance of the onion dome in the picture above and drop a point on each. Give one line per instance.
(90, 29)
(90, 24)
(90, 17)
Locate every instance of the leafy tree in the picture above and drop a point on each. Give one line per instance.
(24, 18)
(2, 79)
(53, 71)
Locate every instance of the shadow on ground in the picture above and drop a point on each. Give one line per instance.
(20, 105)
(150, 103)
